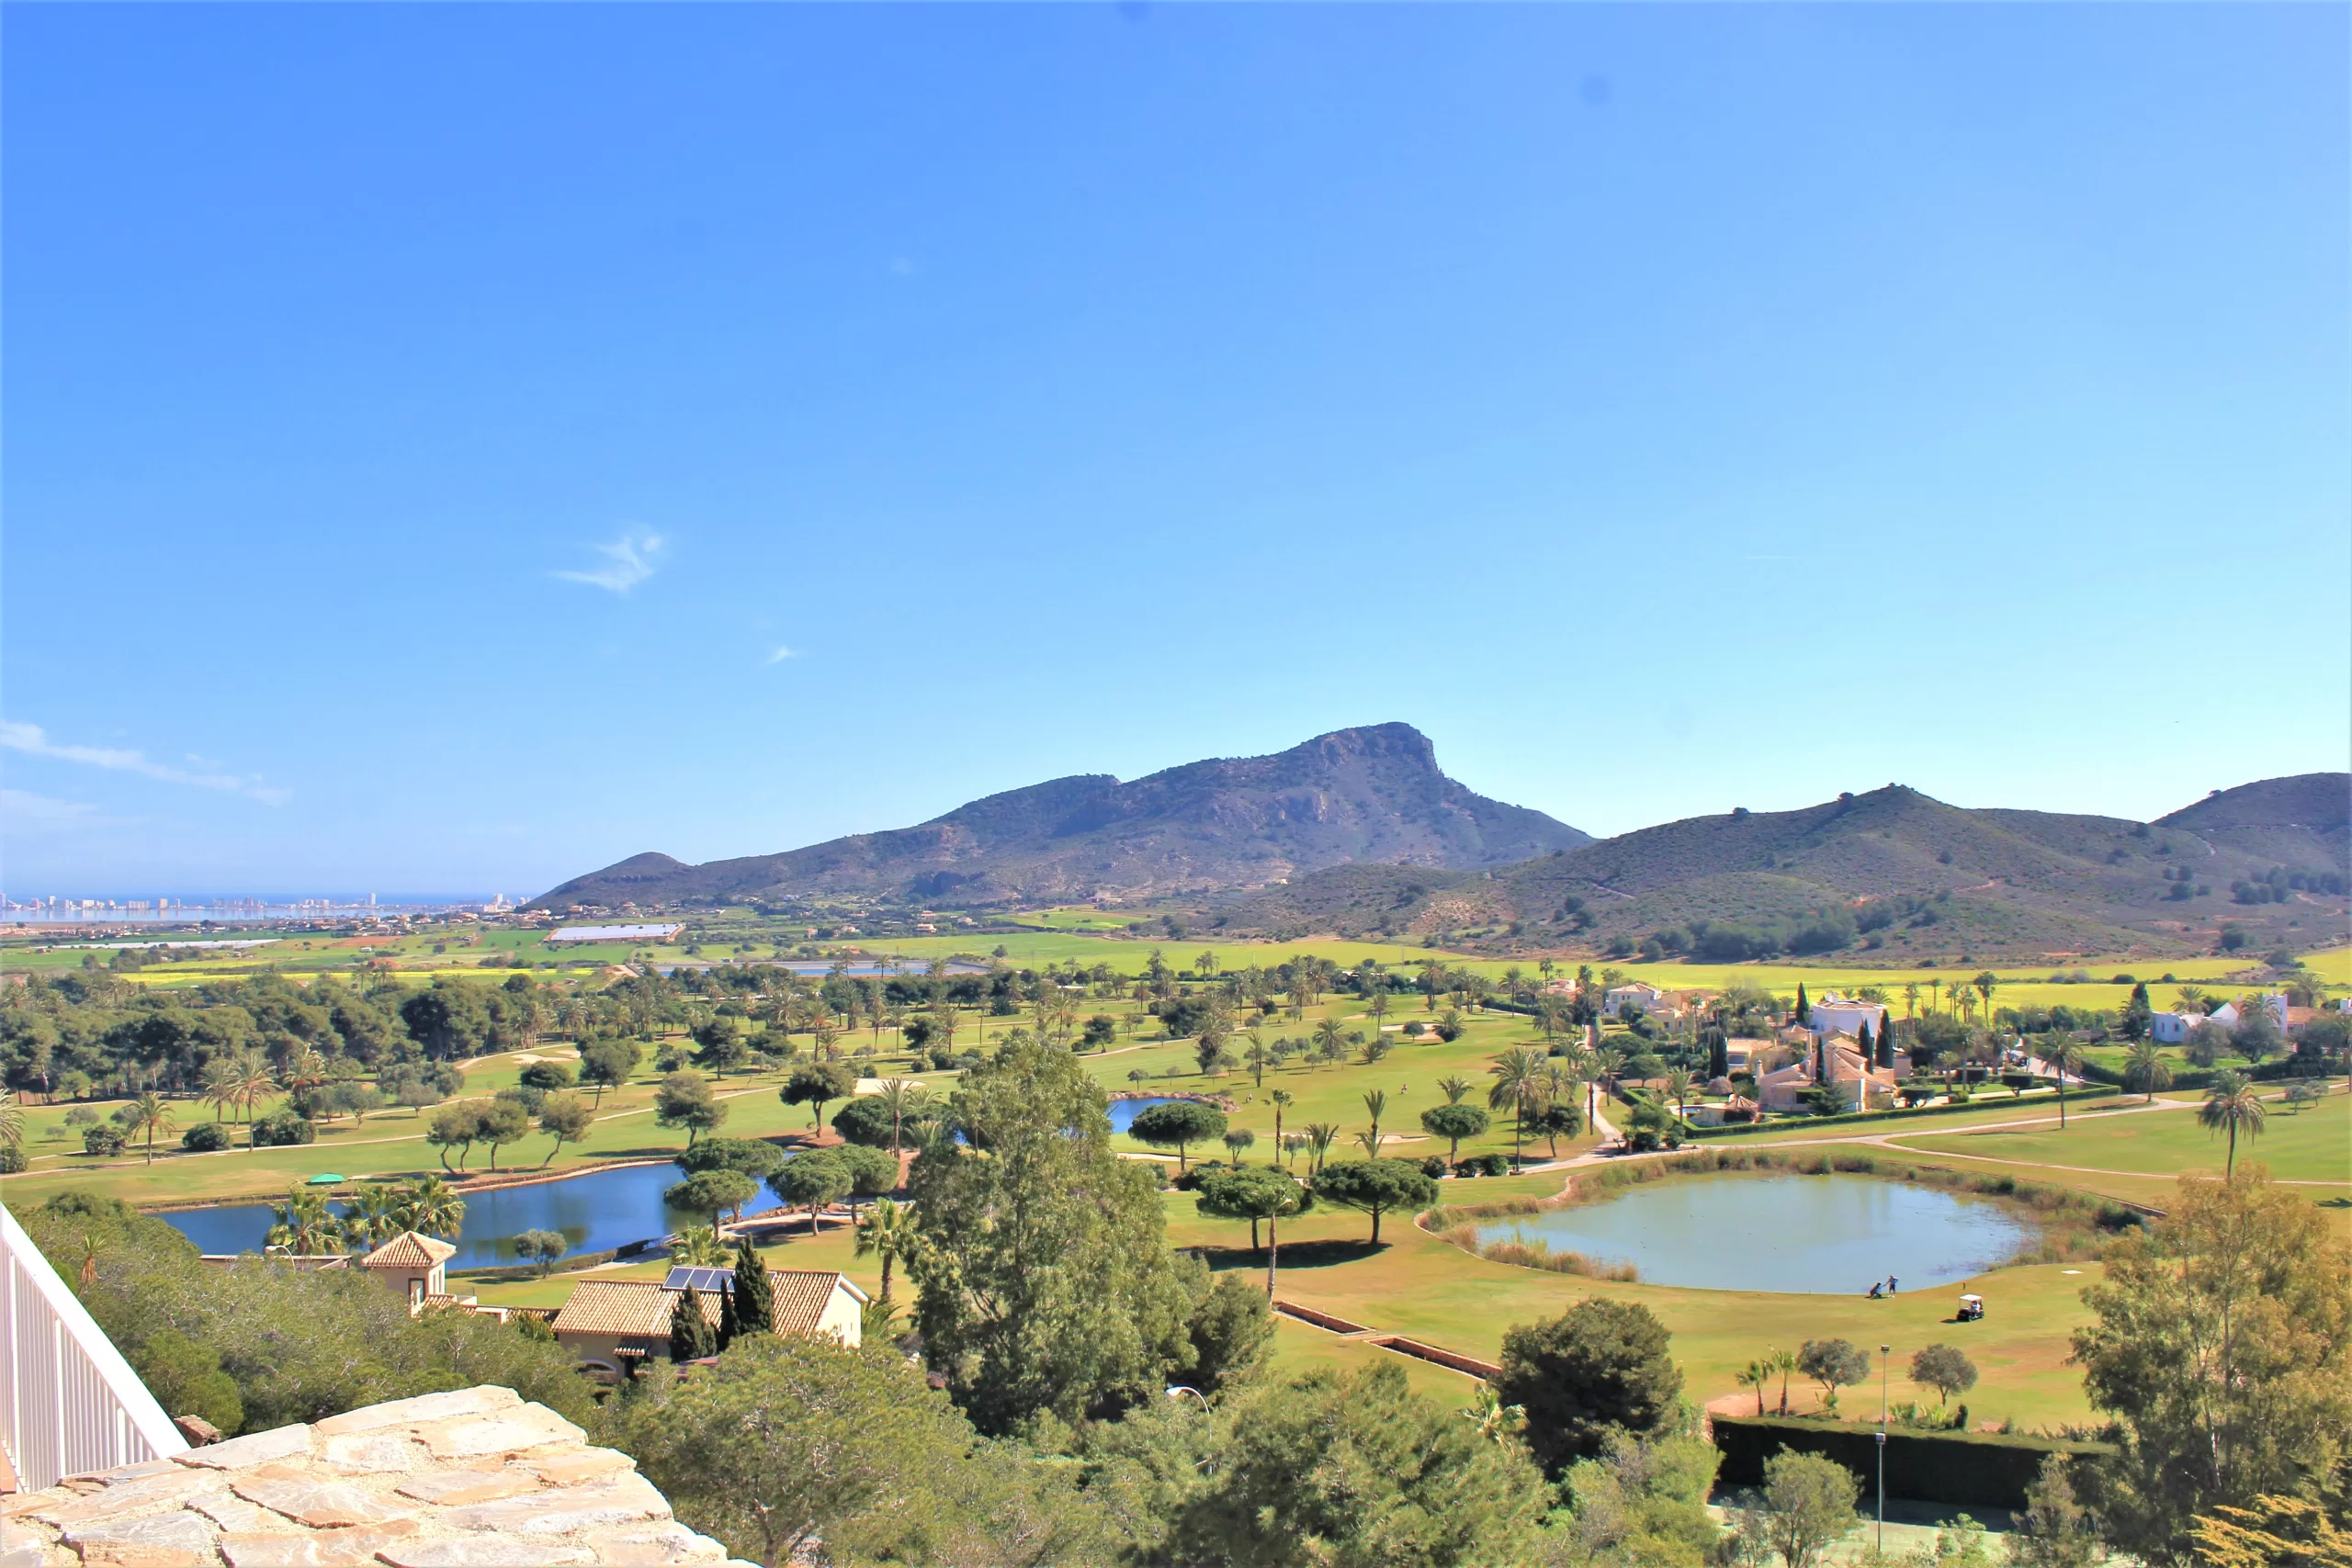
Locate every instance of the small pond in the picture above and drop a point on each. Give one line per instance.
(1805, 1235)
(602, 1210)
(1124, 1111)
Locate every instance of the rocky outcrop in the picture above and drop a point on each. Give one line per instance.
(470, 1479)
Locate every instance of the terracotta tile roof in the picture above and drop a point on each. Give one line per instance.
(800, 1296)
(409, 1250)
(642, 1306)
(625, 1306)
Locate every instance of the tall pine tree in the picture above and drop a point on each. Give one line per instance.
(690, 1335)
(752, 1298)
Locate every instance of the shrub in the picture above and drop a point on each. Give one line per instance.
(205, 1138)
(103, 1141)
(283, 1128)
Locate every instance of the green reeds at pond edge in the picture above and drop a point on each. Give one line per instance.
(1537, 1255)
(2073, 1226)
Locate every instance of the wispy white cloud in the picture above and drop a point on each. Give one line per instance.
(30, 740)
(629, 560)
(21, 811)
(781, 654)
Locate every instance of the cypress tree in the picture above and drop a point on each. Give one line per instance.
(1867, 1046)
(1804, 1008)
(1718, 1055)
(690, 1335)
(1886, 1041)
(728, 1326)
(752, 1299)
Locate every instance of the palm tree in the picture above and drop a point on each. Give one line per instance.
(254, 1082)
(1369, 1143)
(2232, 1104)
(1584, 1065)
(1376, 1101)
(1281, 1098)
(903, 1098)
(1259, 1058)
(1518, 1074)
(1784, 1362)
(1320, 1135)
(1379, 1007)
(1454, 1088)
(886, 1231)
(2065, 1059)
(305, 1226)
(12, 1122)
(702, 1248)
(430, 1207)
(1678, 1089)
(1330, 1039)
(373, 1218)
(2144, 1068)
(1984, 983)
(1910, 1006)
(2190, 996)
(151, 1114)
(1755, 1375)
(220, 1086)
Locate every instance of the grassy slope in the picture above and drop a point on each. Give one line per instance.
(2310, 1144)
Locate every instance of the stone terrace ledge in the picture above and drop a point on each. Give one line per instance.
(470, 1479)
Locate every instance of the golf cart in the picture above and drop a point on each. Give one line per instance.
(1971, 1309)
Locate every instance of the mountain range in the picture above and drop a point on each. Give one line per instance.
(1373, 794)
(1358, 833)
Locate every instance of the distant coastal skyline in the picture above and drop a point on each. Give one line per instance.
(464, 446)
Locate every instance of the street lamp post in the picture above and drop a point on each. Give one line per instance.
(1883, 1351)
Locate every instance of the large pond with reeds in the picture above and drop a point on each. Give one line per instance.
(1830, 1235)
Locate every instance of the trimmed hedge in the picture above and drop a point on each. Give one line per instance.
(2188, 1077)
(1983, 1469)
(1788, 1123)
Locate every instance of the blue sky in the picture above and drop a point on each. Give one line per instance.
(455, 447)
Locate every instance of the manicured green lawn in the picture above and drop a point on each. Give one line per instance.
(1419, 1285)
(2311, 1145)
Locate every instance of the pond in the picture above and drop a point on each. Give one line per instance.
(602, 1210)
(1801, 1234)
(1124, 1111)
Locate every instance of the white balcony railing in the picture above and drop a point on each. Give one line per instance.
(69, 1403)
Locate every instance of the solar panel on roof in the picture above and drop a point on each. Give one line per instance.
(687, 1277)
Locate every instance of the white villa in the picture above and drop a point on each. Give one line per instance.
(1649, 999)
(1834, 1014)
